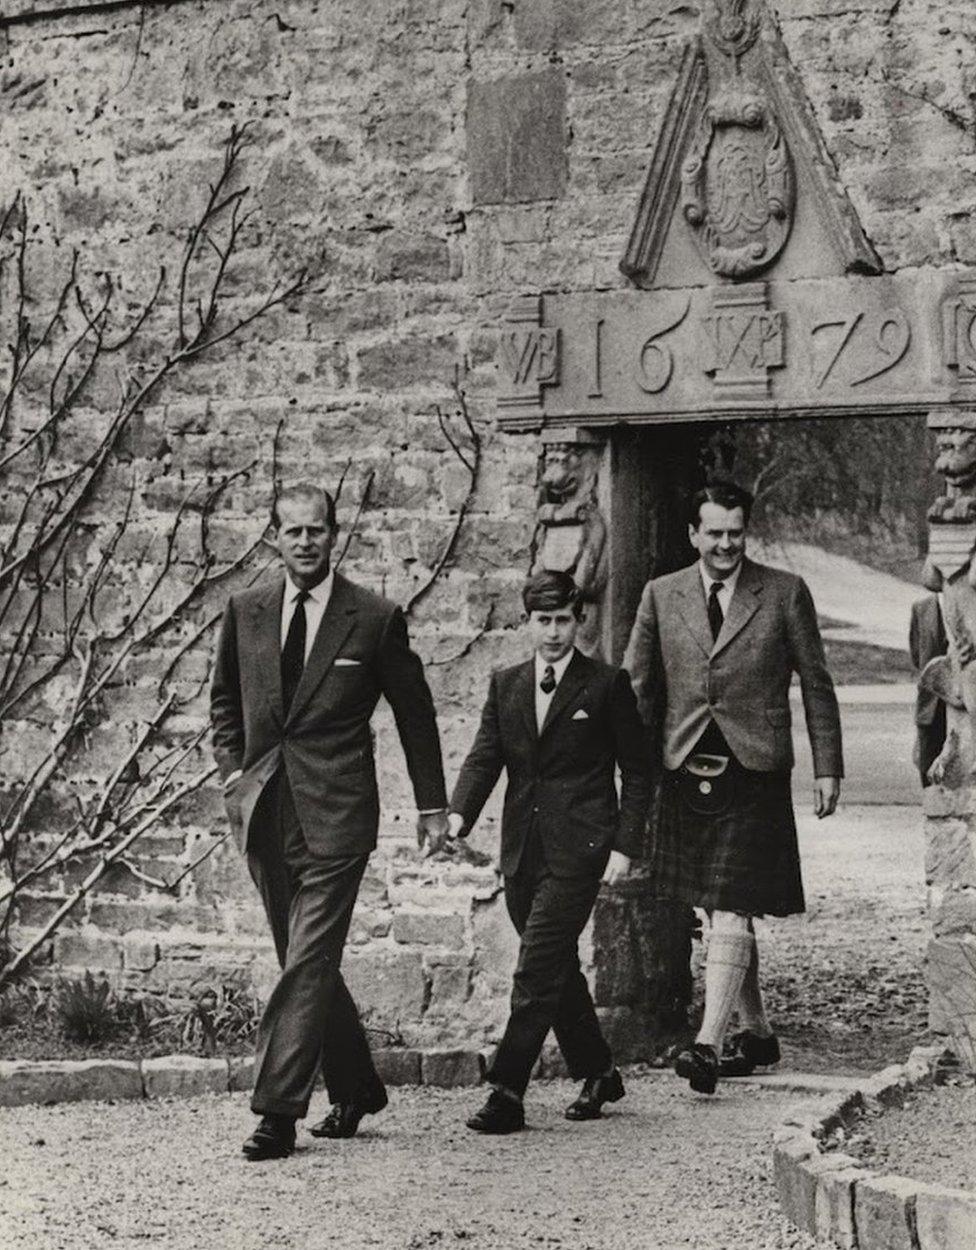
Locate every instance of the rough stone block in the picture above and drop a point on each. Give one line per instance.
(834, 1206)
(429, 928)
(87, 951)
(68, 1080)
(950, 852)
(952, 911)
(450, 1068)
(796, 1188)
(397, 1065)
(388, 986)
(945, 1219)
(950, 973)
(450, 985)
(516, 129)
(241, 1074)
(884, 1212)
(182, 1076)
(886, 1088)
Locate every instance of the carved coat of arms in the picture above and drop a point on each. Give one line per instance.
(738, 186)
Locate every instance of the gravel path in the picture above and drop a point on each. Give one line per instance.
(665, 1168)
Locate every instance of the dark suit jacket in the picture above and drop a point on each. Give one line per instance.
(324, 744)
(926, 639)
(741, 680)
(561, 781)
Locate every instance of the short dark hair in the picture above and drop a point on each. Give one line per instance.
(304, 490)
(726, 494)
(549, 591)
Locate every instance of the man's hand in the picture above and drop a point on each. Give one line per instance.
(455, 823)
(433, 832)
(826, 792)
(617, 869)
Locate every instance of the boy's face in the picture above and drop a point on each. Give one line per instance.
(553, 632)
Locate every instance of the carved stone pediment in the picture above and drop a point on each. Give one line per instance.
(738, 145)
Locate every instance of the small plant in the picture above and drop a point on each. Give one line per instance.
(86, 1010)
(220, 1015)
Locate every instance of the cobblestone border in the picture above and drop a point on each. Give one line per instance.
(48, 1081)
(834, 1198)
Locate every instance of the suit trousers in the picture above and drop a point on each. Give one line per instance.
(549, 990)
(310, 1021)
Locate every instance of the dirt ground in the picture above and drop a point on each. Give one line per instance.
(932, 1138)
(844, 983)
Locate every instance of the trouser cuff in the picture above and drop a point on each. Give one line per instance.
(277, 1106)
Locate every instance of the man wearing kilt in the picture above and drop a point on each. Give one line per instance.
(711, 656)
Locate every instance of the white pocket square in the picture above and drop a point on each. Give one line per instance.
(347, 663)
(581, 714)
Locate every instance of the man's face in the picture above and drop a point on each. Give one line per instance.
(304, 540)
(720, 539)
(553, 632)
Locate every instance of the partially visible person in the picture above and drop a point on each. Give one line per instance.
(558, 725)
(301, 664)
(711, 655)
(927, 639)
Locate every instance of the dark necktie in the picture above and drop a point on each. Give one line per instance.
(293, 652)
(548, 683)
(715, 615)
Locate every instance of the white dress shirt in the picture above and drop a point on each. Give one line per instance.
(542, 700)
(315, 605)
(726, 586)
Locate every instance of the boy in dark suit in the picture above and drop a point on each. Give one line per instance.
(559, 724)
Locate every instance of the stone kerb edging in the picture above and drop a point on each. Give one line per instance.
(110, 1080)
(833, 1197)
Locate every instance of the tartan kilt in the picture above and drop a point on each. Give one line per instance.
(744, 859)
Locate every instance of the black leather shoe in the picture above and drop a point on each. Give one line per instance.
(344, 1117)
(502, 1113)
(595, 1092)
(698, 1064)
(744, 1052)
(274, 1138)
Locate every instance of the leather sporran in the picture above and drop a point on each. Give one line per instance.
(706, 784)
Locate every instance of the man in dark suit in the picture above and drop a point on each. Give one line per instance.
(711, 656)
(926, 640)
(559, 725)
(301, 664)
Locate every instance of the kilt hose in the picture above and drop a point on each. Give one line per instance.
(744, 859)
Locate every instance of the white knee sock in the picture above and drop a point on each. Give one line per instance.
(725, 969)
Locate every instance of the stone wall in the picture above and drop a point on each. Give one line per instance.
(442, 157)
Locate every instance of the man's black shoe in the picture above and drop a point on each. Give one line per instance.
(274, 1138)
(698, 1064)
(344, 1117)
(502, 1113)
(744, 1052)
(595, 1092)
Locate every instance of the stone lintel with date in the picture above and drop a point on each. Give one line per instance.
(835, 346)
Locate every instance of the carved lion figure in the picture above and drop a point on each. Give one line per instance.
(955, 459)
(571, 533)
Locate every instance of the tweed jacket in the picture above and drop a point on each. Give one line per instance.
(561, 780)
(360, 652)
(741, 680)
